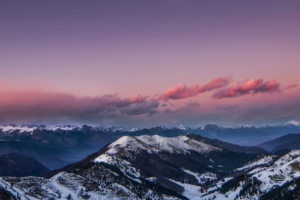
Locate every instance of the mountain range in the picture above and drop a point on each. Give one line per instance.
(55, 147)
(70, 136)
(156, 167)
(149, 163)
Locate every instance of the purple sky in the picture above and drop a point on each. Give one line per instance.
(59, 58)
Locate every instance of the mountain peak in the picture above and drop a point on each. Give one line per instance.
(154, 144)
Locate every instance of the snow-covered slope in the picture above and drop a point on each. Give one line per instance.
(65, 185)
(130, 147)
(267, 175)
(156, 167)
(266, 170)
(156, 143)
(283, 170)
(263, 160)
(113, 174)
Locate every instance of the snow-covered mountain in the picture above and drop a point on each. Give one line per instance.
(71, 136)
(156, 167)
(155, 144)
(78, 141)
(140, 167)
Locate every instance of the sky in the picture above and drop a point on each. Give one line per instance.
(146, 63)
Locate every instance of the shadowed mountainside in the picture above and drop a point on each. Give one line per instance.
(289, 141)
(226, 145)
(14, 164)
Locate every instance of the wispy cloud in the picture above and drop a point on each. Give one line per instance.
(291, 86)
(226, 107)
(248, 87)
(181, 91)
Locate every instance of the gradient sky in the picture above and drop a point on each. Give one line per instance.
(134, 62)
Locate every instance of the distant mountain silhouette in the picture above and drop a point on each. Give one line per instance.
(289, 145)
(51, 157)
(290, 141)
(14, 164)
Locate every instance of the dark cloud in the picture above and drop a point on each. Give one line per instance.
(226, 107)
(193, 105)
(166, 104)
(145, 107)
(267, 86)
(39, 106)
(169, 111)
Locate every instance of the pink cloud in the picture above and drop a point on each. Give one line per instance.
(137, 98)
(181, 91)
(248, 86)
(291, 86)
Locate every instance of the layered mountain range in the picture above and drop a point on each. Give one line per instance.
(156, 167)
(56, 147)
(69, 136)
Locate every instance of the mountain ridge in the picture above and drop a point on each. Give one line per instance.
(227, 145)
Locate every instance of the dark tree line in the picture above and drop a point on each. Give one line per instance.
(283, 192)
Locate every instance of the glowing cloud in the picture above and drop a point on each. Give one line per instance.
(181, 91)
(248, 86)
(137, 98)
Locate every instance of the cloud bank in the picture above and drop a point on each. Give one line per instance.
(36, 106)
(43, 106)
